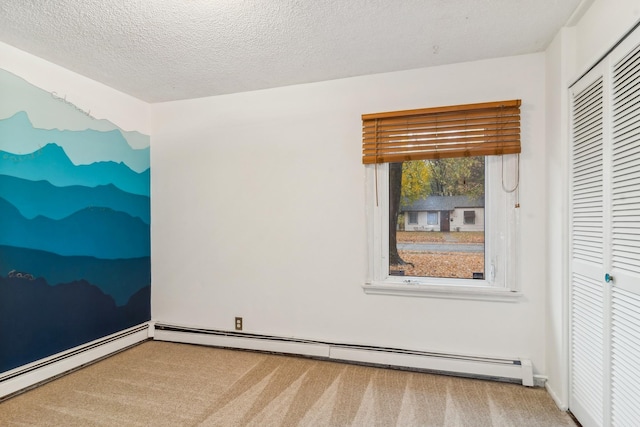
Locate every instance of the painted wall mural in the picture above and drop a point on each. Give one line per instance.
(74, 225)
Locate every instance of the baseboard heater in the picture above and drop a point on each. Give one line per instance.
(501, 369)
(33, 374)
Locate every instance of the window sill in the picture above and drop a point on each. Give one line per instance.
(479, 293)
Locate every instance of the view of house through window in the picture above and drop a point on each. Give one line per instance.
(436, 218)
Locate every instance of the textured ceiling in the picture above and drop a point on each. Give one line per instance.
(160, 50)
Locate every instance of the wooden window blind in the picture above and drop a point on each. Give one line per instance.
(485, 129)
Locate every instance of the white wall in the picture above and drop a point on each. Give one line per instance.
(572, 53)
(559, 54)
(258, 211)
(101, 101)
(603, 24)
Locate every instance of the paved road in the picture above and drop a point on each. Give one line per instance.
(441, 247)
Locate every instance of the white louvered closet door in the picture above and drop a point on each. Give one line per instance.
(625, 234)
(587, 243)
(605, 241)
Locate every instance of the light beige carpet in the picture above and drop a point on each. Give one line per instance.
(167, 384)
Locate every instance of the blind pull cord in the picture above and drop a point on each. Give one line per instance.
(504, 188)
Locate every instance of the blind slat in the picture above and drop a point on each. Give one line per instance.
(417, 131)
(485, 129)
(423, 137)
(439, 145)
(450, 119)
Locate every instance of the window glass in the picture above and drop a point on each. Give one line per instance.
(432, 218)
(452, 193)
(469, 217)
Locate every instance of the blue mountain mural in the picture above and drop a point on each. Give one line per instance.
(52, 110)
(52, 164)
(97, 232)
(38, 320)
(75, 241)
(118, 278)
(33, 198)
(17, 135)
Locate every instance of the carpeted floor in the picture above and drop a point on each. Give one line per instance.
(168, 384)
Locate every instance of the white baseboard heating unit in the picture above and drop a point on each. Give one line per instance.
(502, 369)
(32, 374)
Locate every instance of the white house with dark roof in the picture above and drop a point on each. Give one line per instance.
(445, 213)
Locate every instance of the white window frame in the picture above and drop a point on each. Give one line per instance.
(501, 241)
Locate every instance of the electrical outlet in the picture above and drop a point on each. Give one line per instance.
(238, 323)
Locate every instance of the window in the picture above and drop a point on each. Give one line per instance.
(469, 217)
(432, 218)
(481, 140)
(413, 217)
(445, 251)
